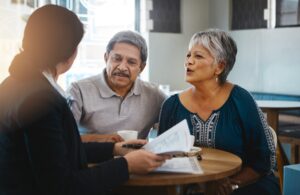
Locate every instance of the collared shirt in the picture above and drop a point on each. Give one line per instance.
(52, 81)
(98, 109)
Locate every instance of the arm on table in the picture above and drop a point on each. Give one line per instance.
(101, 138)
(245, 177)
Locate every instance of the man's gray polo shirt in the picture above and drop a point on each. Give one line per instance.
(98, 109)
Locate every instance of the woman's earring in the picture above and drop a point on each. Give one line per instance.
(217, 79)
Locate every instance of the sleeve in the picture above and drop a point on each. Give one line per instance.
(260, 147)
(166, 115)
(76, 105)
(98, 152)
(49, 158)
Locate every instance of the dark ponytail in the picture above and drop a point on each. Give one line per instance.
(51, 35)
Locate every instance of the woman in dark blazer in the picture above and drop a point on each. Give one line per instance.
(40, 147)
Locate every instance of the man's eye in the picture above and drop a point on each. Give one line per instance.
(188, 55)
(116, 58)
(132, 63)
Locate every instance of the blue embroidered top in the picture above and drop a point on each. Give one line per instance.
(238, 126)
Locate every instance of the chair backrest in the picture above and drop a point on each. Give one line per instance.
(280, 157)
(274, 136)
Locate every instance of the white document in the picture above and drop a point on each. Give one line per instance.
(173, 141)
(181, 165)
(176, 140)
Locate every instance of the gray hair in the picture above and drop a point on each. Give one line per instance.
(220, 45)
(132, 38)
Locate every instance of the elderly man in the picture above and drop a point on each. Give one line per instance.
(117, 99)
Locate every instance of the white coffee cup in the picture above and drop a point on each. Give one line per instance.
(128, 134)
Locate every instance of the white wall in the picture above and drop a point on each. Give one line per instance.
(167, 50)
(219, 16)
(268, 60)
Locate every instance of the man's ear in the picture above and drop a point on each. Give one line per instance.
(142, 67)
(105, 57)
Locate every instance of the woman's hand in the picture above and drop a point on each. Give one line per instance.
(224, 187)
(141, 161)
(245, 177)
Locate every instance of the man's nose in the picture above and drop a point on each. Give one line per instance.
(123, 65)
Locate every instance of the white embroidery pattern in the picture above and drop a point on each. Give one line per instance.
(205, 131)
(269, 137)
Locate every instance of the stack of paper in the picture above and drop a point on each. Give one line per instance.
(174, 141)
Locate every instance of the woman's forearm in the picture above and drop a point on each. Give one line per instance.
(246, 176)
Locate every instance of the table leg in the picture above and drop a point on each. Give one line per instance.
(210, 188)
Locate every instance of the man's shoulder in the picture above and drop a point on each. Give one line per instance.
(145, 85)
(89, 79)
(151, 91)
(87, 83)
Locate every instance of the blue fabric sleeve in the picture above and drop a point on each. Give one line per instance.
(260, 148)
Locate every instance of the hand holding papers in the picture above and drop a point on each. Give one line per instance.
(181, 165)
(176, 140)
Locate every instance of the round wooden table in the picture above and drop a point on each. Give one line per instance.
(216, 164)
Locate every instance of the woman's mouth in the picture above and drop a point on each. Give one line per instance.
(188, 70)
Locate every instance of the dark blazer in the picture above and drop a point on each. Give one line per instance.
(40, 147)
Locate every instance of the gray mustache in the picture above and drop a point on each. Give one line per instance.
(122, 74)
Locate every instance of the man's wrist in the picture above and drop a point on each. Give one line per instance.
(115, 150)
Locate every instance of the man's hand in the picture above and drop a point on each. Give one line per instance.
(121, 151)
(101, 138)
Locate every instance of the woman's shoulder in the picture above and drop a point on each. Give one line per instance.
(173, 99)
(240, 93)
(243, 99)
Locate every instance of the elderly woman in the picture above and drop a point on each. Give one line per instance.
(223, 115)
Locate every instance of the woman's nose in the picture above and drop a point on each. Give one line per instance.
(188, 61)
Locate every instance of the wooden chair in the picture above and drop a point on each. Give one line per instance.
(281, 158)
(291, 137)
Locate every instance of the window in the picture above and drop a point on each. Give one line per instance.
(248, 14)
(287, 13)
(166, 16)
(101, 18)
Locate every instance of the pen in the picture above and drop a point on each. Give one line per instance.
(132, 146)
